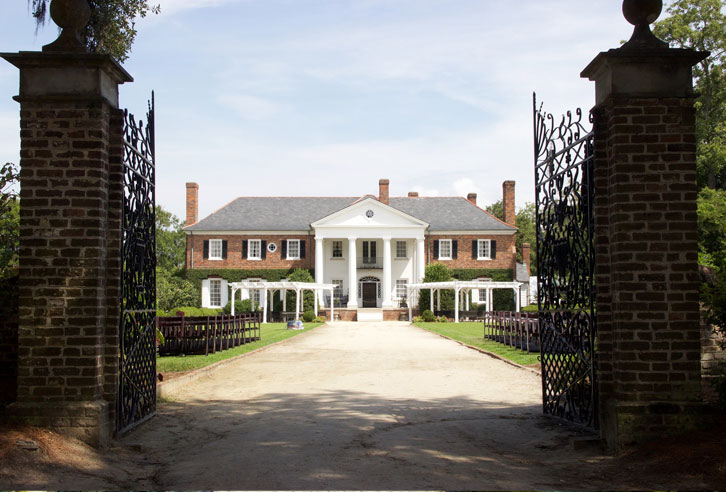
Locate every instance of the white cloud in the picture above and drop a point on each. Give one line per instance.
(173, 6)
(251, 107)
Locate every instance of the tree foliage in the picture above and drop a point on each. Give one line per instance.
(701, 25)
(170, 241)
(112, 28)
(9, 221)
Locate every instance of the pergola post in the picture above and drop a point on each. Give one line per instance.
(315, 294)
(264, 306)
(298, 304)
(234, 291)
(431, 299)
(332, 305)
(457, 291)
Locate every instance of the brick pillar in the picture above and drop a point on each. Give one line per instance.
(70, 240)
(646, 240)
(508, 203)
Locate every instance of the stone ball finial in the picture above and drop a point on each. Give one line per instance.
(71, 16)
(642, 13)
(639, 12)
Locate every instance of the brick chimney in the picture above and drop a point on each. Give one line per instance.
(383, 191)
(192, 204)
(526, 256)
(471, 197)
(413, 194)
(508, 202)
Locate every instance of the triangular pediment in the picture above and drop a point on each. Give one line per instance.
(369, 213)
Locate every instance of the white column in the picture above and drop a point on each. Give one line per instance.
(386, 273)
(234, 291)
(409, 296)
(420, 261)
(298, 304)
(252, 300)
(431, 299)
(315, 294)
(352, 275)
(283, 292)
(332, 306)
(466, 299)
(264, 306)
(517, 300)
(438, 299)
(456, 304)
(319, 272)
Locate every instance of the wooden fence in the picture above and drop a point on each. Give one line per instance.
(207, 334)
(518, 330)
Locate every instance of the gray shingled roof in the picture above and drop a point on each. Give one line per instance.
(297, 213)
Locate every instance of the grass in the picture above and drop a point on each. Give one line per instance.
(271, 333)
(472, 333)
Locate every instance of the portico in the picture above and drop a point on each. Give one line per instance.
(370, 243)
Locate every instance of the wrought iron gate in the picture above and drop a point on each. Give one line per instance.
(565, 266)
(137, 357)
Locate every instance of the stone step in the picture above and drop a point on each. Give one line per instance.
(370, 314)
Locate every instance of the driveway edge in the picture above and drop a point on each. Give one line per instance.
(481, 350)
(165, 388)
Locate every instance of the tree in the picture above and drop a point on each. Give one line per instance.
(527, 224)
(436, 272)
(111, 29)
(496, 209)
(9, 221)
(302, 275)
(701, 25)
(173, 292)
(170, 242)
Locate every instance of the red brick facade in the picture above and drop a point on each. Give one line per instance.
(505, 255)
(273, 260)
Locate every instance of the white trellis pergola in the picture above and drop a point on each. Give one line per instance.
(462, 290)
(283, 286)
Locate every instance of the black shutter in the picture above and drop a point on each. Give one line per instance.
(263, 249)
(436, 249)
(302, 249)
(283, 249)
(454, 249)
(474, 249)
(494, 249)
(244, 249)
(224, 249)
(373, 249)
(206, 249)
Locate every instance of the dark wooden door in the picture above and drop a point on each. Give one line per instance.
(369, 295)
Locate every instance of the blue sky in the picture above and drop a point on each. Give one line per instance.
(324, 97)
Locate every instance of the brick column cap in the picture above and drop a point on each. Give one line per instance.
(68, 75)
(643, 72)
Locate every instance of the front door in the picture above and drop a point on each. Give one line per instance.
(369, 295)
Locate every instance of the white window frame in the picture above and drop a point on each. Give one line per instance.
(401, 293)
(451, 249)
(479, 243)
(338, 291)
(258, 242)
(290, 242)
(256, 293)
(405, 250)
(340, 243)
(215, 246)
(215, 282)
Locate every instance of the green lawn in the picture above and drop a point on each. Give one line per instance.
(271, 333)
(472, 333)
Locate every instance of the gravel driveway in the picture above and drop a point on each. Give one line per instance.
(360, 406)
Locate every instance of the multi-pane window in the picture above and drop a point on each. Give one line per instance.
(215, 249)
(215, 292)
(444, 249)
(254, 251)
(401, 249)
(337, 249)
(338, 292)
(484, 249)
(293, 249)
(401, 288)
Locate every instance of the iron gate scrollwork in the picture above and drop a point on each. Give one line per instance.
(565, 266)
(137, 354)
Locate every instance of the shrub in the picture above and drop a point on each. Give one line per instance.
(240, 307)
(195, 311)
(442, 319)
(417, 319)
(532, 308)
(428, 316)
(308, 316)
(320, 319)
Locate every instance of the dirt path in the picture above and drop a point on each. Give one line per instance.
(354, 406)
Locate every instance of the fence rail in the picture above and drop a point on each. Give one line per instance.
(518, 330)
(191, 335)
